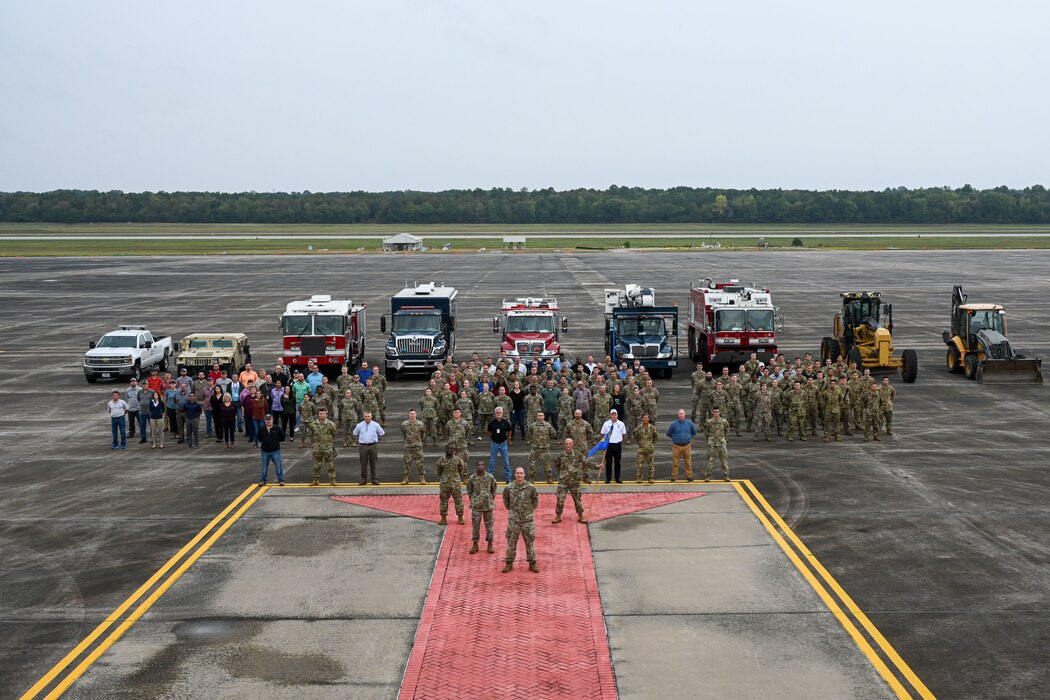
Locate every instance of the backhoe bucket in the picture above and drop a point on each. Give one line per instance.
(1010, 372)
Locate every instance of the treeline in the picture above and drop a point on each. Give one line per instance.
(616, 205)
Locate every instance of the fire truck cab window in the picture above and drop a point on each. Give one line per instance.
(530, 324)
(760, 319)
(329, 325)
(297, 325)
(731, 320)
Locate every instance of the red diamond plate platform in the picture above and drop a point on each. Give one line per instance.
(484, 634)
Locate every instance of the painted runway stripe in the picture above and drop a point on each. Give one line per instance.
(847, 601)
(116, 615)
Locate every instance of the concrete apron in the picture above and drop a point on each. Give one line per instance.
(307, 597)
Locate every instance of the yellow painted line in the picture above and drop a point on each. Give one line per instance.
(872, 630)
(153, 597)
(115, 615)
(829, 601)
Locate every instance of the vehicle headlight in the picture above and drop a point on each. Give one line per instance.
(663, 354)
(439, 347)
(129, 359)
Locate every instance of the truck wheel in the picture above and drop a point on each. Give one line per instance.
(136, 371)
(970, 367)
(825, 350)
(910, 368)
(692, 345)
(162, 366)
(391, 374)
(954, 364)
(91, 379)
(854, 356)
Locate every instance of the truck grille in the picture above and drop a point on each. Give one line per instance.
(645, 350)
(530, 348)
(107, 361)
(415, 346)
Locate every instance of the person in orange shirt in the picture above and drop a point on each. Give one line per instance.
(249, 376)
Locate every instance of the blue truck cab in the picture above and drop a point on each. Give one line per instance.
(422, 329)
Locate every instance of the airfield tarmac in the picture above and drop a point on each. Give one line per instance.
(937, 533)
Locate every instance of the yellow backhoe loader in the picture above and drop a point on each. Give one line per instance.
(978, 346)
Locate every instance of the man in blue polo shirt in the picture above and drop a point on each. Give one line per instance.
(681, 433)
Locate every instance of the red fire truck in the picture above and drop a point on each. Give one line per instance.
(729, 321)
(327, 331)
(530, 327)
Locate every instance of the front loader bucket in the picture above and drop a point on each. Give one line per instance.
(1010, 372)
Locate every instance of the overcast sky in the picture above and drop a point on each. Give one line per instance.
(385, 95)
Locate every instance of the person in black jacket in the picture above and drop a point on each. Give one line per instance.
(270, 438)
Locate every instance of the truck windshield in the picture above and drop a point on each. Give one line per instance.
(985, 320)
(198, 344)
(297, 325)
(731, 320)
(530, 324)
(642, 326)
(329, 325)
(116, 341)
(222, 343)
(760, 319)
(417, 323)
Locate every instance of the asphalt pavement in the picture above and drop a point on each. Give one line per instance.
(938, 533)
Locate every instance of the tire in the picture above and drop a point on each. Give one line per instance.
(692, 346)
(910, 368)
(825, 349)
(391, 374)
(162, 366)
(970, 367)
(136, 371)
(955, 365)
(854, 356)
(91, 379)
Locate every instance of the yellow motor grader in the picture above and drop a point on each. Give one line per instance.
(864, 335)
(978, 346)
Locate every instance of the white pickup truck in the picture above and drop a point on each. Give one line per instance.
(126, 352)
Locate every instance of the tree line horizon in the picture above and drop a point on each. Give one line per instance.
(615, 205)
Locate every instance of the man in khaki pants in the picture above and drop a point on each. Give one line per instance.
(681, 433)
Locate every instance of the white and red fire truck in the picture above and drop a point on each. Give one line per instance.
(530, 327)
(327, 331)
(729, 321)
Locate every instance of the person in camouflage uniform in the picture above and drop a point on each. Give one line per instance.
(414, 432)
(650, 400)
(322, 437)
(719, 399)
(503, 399)
(446, 404)
(763, 412)
(734, 412)
(844, 406)
(601, 404)
(833, 401)
(520, 498)
(645, 437)
(796, 399)
(486, 408)
(308, 416)
(810, 390)
(379, 383)
(886, 395)
(370, 399)
(696, 381)
(572, 467)
(540, 435)
(344, 380)
(481, 489)
(872, 412)
(857, 389)
(330, 393)
(751, 366)
(348, 417)
(533, 405)
(716, 429)
(777, 395)
(458, 430)
(635, 408)
(579, 430)
(466, 411)
(450, 470)
(565, 405)
(428, 411)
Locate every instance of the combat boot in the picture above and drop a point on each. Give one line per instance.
(790, 439)
(650, 481)
(557, 519)
(767, 439)
(507, 568)
(491, 549)
(838, 439)
(638, 480)
(422, 481)
(315, 482)
(460, 519)
(826, 439)
(877, 438)
(474, 548)
(404, 482)
(803, 438)
(332, 481)
(533, 568)
(581, 518)
(442, 521)
(346, 443)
